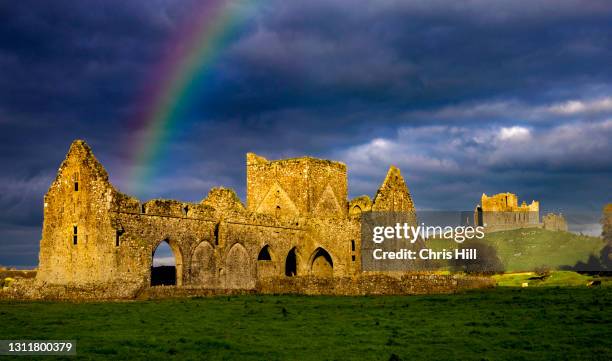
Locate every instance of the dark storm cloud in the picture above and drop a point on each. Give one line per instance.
(465, 96)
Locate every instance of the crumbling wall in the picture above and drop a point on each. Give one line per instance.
(298, 187)
(554, 222)
(360, 205)
(77, 237)
(393, 195)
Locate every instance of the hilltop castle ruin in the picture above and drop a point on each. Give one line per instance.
(502, 212)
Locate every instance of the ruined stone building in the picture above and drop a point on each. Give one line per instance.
(297, 221)
(502, 212)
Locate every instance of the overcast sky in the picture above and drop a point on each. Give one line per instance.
(465, 97)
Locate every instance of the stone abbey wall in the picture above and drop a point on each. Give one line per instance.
(297, 222)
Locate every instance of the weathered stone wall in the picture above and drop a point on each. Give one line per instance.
(554, 222)
(305, 187)
(378, 284)
(393, 194)
(76, 243)
(364, 284)
(359, 205)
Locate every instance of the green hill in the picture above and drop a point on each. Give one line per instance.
(524, 249)
(528, 248)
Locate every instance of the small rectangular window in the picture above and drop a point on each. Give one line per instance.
(74, 235)
(75, 179)
(353, 258)
(117, 237)
(74, 239)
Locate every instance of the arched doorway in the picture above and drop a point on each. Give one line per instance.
(291, 263)
(203, 266)
(322, 264)
(166, 264)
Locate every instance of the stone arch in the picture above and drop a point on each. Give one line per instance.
(265, 264)
(359, 205)
(321, 263)
(204, 265)
(265, 254)
(291, 263)
(178, 259)
(238, 270)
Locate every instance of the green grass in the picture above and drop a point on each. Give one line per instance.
(522, 249)
(500, 324)
(525, 249)
(556, 278)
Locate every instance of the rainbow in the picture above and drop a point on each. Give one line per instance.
(188, 56)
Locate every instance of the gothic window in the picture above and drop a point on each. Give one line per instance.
(264, 254)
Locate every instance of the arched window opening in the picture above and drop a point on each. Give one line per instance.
(291, 264)
(353, 245)
(216, 233)
(264, 254)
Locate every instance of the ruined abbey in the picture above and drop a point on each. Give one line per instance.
(297, 221)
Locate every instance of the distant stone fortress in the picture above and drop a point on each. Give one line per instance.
(297, 233)
(502, 212)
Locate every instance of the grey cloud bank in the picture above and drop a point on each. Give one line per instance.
(465, 97)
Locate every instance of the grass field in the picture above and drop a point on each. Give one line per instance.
(528, 248)
(553, 323)
(554, 279)
(522, 249)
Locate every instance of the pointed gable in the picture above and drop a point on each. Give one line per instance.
(80, 167)
(81, 156)
(393, 194)
(327, 205)
(277, 202)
